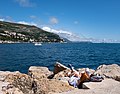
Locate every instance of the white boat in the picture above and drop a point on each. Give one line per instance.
(38, 44)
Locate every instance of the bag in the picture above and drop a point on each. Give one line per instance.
(96, 78)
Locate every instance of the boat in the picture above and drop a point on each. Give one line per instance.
(38, 44)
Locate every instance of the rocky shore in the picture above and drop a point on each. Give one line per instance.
(40, 80)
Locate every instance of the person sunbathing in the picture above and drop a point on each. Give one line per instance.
(77, 78)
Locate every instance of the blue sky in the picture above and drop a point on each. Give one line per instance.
(89, 18)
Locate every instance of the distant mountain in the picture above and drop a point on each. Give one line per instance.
(71, 37)
(67, 35)
(15, 32)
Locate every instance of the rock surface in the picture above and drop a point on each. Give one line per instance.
(109, 71)
(6, 82)
(4, 75)
(24, 83)
(37, 81)
(43, 84)
(59, 67)
(39, 72)
(3, 84)
(107, 86)
(63, 73)
(52, 85)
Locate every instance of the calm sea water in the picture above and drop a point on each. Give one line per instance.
(20, 57)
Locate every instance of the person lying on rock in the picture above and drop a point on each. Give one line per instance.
(76, 78)
(73, 72)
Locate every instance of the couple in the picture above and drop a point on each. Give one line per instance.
(77, 78)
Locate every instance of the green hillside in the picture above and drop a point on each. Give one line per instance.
(25, 33)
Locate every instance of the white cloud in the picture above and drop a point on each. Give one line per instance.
(27, 23)
(76, 22)
(53, 20)
(25, 3)
(46, 28)
(64, 34)
(2, 19)
(55, 31)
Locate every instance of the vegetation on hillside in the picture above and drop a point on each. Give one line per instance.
(25, 33)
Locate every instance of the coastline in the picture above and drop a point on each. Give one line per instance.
(40, 80)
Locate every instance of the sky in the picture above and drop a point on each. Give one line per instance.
(99, 19)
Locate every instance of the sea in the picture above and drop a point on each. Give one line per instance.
(20, 56)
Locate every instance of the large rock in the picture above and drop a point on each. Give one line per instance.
(9, 89)
(63, 73)
(45, 86)
(3, 84)
(24, 83)
(59, 67)
(18, 83)
(109, 71)
(4, 75)
(107, 86)
(39, 72)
